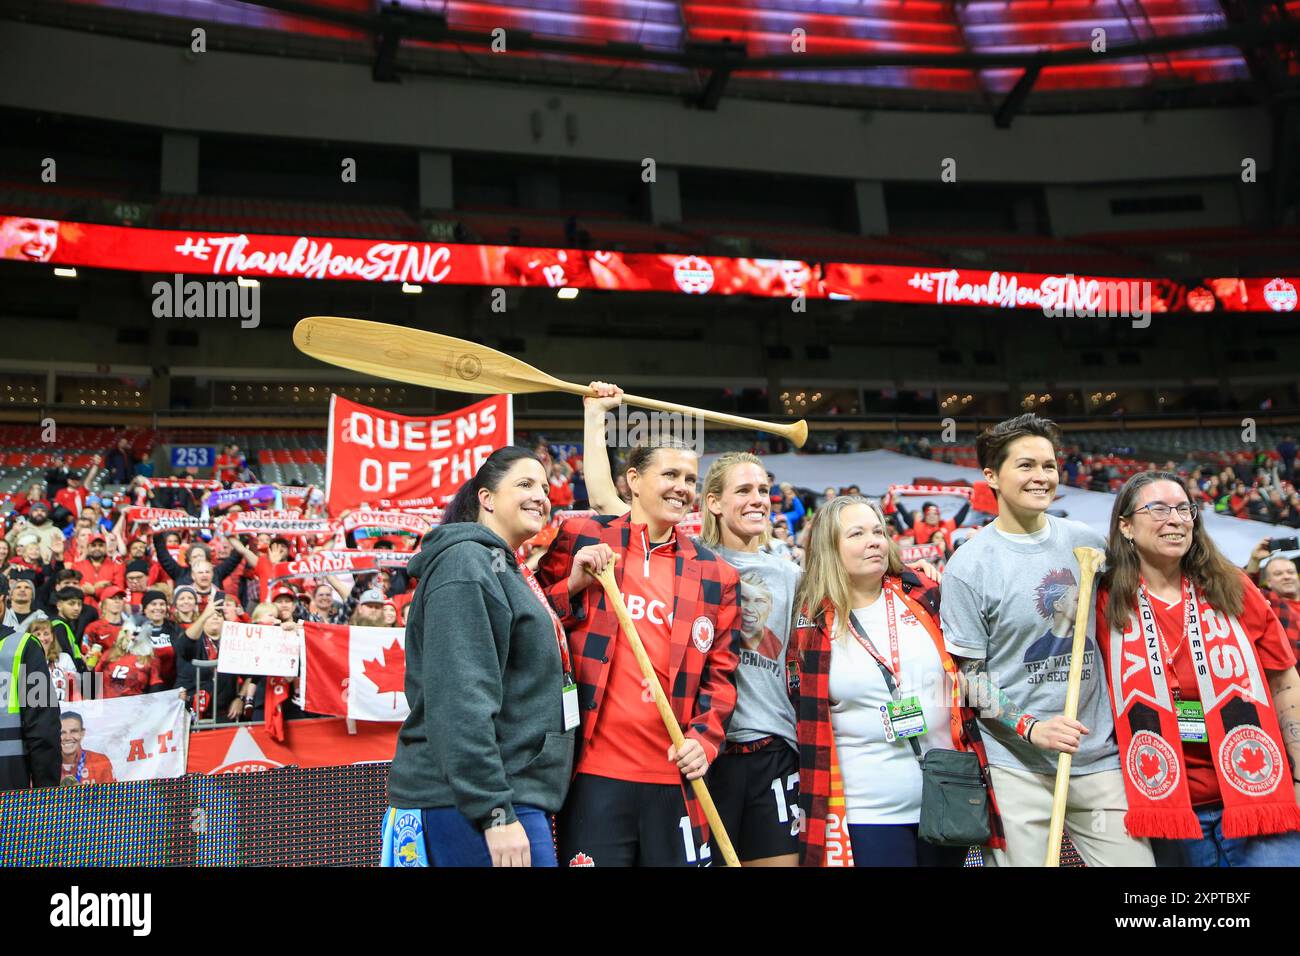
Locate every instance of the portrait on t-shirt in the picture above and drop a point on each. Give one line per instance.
(1057, 601)
(755, 610)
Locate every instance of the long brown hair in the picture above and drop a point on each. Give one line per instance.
(824, 576)
(715, 483)
(1214, 575)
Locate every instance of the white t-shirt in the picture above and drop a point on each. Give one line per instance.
(882, 780)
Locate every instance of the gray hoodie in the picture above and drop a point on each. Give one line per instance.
(484, 683)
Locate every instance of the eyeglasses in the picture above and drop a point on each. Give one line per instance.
(1161, 511)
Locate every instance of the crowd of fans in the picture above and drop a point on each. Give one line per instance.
(124, 609)
(1258, 485)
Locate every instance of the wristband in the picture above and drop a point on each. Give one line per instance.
(1029, 732)
(1023, 724)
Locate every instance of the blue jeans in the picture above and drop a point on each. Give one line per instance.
(451, 840)
(1214, 849)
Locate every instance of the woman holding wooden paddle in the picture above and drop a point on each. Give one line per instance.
(1204, 689)
(635, 798)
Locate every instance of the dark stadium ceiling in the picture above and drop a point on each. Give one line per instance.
(997, 55)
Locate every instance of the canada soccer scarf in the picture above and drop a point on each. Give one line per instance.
(1245, 742)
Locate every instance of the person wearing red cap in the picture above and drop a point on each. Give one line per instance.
(103, 632)
(98, 570)
(285, 600)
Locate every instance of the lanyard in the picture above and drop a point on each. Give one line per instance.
(893, 638)
(1191, 632)
(559, 628)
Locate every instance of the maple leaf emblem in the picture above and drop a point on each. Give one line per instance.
(1252, 761)
(581, 859)
(388, 671)
(1150, 765)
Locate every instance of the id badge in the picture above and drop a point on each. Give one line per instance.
(571, 718)
(1191, 721)
(907, 718)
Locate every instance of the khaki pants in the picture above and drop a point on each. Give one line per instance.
(1094, 818)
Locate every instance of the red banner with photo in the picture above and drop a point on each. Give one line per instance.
(408, 461)
(199, 253)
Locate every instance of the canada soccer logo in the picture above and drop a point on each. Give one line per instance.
(693, 275)
(1152, 765)
(1251, 761)
(1280, 296)
(702, 634)
(581, 859)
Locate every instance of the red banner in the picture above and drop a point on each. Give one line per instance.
(407, 461)
(308, 743)
(221, 253)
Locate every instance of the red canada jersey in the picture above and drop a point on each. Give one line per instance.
(129, 675)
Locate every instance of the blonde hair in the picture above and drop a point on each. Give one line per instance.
(265, 609)
(824, 576)
(715, 483)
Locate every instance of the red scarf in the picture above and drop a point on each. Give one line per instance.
(1250, 759)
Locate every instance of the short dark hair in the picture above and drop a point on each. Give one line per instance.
(992, 444)
(68, 594)
(282, 541)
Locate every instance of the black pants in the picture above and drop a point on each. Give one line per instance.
(607, 822)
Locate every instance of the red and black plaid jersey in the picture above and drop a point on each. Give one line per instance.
(809, 668)
(705, 633)
(1287, 615)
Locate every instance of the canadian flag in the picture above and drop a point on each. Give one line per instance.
(355, 672)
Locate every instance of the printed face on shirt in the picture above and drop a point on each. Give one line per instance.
(1026, 482)
(665, 489)
(864, 543)
(755, 609)
(745, 504)
(22, 237)
(1159, 541)
(1280, 576)
(70, 734)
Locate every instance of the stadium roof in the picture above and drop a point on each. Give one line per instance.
(999, 55)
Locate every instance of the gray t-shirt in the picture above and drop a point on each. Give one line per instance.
(1012, 602)
(767, 586)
